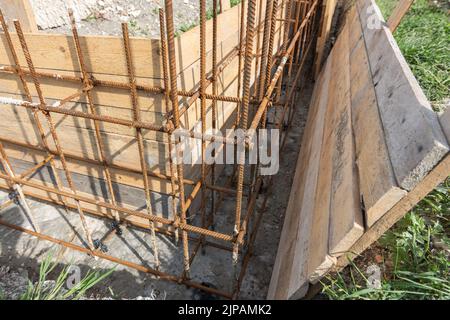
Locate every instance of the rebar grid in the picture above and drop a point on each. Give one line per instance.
(275, 85)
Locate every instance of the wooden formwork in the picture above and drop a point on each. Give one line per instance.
(372, 149)
(104, 109)
(97, 113)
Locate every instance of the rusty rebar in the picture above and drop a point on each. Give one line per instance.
(246, 98)
(165, 68)
(241, 51)
(203, 106)
(17, 188)
(18, 69)
(126, 211)
(87, 86)
(214, 107)
(52, 130)
(139, 138)
(174, 98)
(159, 274)
(267, 98)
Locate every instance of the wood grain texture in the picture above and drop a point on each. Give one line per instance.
(346, 219)
(445, 123)
(431, 181)
(318, 260)
(105, 60)
(399, 12)
(289, 276)
(328, 8)
(414, 138)
(378, 185)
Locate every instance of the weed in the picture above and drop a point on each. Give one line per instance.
(234, 2)
(424, 39)
(41, 291)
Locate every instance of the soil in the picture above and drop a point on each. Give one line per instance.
(142, 16)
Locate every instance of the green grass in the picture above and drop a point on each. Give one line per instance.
(424, 39)
(234, 2)
(416, 260)
(416, 254)
(38, 290)
(209, 15)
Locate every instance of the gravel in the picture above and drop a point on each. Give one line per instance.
(142, 15)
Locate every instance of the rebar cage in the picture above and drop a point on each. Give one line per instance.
(267, 65)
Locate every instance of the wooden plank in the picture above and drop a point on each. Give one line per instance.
(20, 10)
(414, 138)
(346, 219)
(328, 8)
(117, 175)
(431, 181)
(88, 207)
(378, 186)
(319, 261)
(289, 276)
(445, 122)
(225, 5)
(399, 12)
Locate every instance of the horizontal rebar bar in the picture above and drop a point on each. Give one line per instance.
(106, 205)
(159, 274)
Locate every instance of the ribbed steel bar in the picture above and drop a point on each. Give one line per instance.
(165, 67)
(214, 107)
(139, 138)
(19, 71)
(203, 107)
(267, 98)
(122, 85)
(265, 69)
(241, 53)
(297, 7)
(106, 205)
(87, 87)
(79, 114)
(53, 131)
(35, 168)
(17, 188)
(126, 220)
(244, 119)
(174, 98)
(76, 157)
(287, 27)
(159, 274)
(258, 50)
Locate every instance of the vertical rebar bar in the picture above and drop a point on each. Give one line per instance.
(245, 103)
(258, 51)
(55, 137)
(17, 188)
(165, 67)
(214, 108)
(241, 53)
(139, 138)
(87, 87)
(37, 121)
(287, 25)
(175, 108)
(268, 73)
(203, 106)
